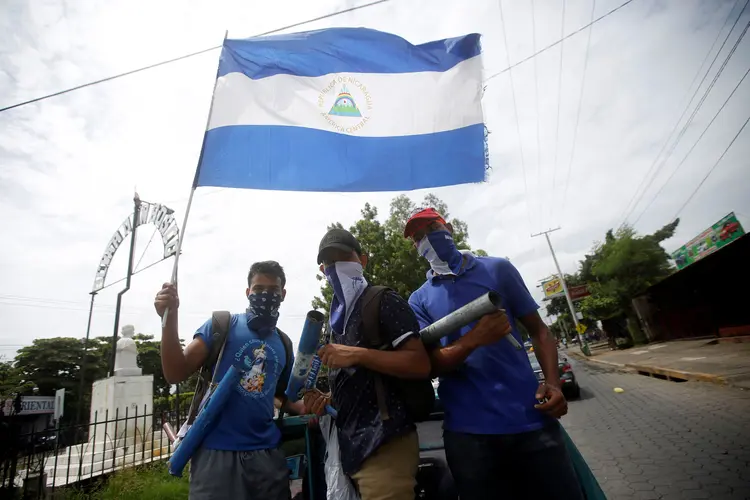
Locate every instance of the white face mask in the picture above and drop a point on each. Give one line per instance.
(348, 283)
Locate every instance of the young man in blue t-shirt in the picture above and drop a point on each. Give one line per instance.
(500, 441)
(239, 458)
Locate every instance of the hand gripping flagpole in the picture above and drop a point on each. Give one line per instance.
(195, 185)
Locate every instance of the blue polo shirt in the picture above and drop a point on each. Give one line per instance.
(493, 392)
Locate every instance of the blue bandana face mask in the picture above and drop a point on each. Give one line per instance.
(263, 311)
(441, 252)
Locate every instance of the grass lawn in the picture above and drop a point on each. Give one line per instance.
(141, 483)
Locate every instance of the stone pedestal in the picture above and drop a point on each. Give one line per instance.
(122, 407)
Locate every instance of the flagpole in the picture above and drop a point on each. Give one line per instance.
(195, 185)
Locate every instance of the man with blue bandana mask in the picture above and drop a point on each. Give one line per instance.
(501, 434)
(240, 457)
(377, 437)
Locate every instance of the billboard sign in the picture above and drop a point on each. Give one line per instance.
(578, 292)
(709, 241)
(552, 288)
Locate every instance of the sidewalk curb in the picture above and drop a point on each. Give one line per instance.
(582, 357)
(680, 375)
(668, 373)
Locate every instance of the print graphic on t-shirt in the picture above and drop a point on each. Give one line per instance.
(257, 358)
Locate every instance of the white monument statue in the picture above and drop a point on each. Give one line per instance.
(126, 358)
(124, 396)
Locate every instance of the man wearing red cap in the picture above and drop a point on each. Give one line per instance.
(500, 429)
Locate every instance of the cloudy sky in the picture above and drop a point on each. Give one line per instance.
(69, 165)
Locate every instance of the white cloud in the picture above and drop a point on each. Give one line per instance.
(69, 164)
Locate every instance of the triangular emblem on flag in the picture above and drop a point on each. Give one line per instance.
(345, 105)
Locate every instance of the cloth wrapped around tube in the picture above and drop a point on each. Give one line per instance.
(205, 421)
(307, 362)
(486, 304)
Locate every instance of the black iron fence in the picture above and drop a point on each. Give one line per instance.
(37, 464)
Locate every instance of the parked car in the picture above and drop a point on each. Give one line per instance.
(570, 386)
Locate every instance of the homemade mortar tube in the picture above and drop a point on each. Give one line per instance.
(486, 304)
(205, 421)
(307, 362)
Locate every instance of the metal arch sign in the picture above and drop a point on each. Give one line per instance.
(154, 213)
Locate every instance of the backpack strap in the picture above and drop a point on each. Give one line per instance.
(286, 373)
(371, 316)
(220, 322)
(370, 329)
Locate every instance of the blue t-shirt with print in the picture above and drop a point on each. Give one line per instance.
(246, 423)
(493, 392)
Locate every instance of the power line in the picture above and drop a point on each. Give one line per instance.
(536, 101)
(51, 306)
(134, 273)
(515, 111)
(45, 300)
(692, 148)
(20, 300)
(186, 56)
(643, 184)
(66, 305)
(554, 44)
(69, 305)
(559, 103)
(578, 113)
(697, 108)
(710, 171)
(647, 179)
(320, 18)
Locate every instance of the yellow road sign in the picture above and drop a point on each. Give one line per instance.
(581, 328)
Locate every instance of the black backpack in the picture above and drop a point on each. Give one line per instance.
(418, 396)
(220, 321)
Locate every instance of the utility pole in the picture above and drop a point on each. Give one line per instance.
(582, 342)
(79, 406)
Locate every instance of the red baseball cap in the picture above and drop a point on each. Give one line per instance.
(420, 220)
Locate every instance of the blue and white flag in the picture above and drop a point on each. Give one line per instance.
(345, 109)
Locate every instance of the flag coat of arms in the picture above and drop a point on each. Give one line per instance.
(345, 109)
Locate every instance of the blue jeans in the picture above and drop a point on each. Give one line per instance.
(530, 465)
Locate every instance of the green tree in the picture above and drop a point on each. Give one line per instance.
(623, 267)
(189, 384)
(393, 260)
(12, 381)
(52, 364)
(617, 270)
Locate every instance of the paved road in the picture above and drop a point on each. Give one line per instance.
(660, 439)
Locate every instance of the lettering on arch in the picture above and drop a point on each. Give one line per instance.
(157, 214)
